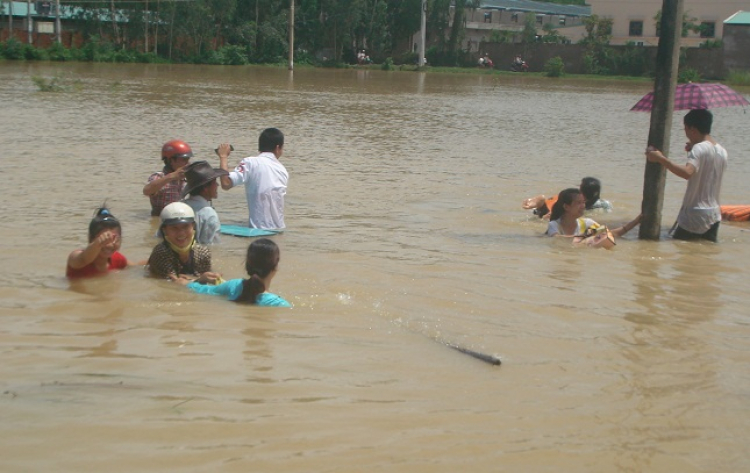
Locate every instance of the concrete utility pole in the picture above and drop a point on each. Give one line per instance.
(145, 30)
(29, 25)
(422, 34)
(291, 35)
(10, 19)
(58, 25)
(667, 60)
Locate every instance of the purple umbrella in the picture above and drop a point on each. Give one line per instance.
(690, 96)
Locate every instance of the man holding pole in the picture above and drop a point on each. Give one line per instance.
(700, 215)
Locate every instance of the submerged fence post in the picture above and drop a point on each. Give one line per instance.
(667, 62)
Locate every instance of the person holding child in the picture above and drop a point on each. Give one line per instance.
(567, 219)
(102, 254)
(179, 254)
(261, 264)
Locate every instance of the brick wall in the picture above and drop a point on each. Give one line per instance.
(736, 46)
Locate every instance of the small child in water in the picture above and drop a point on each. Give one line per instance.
(101, 255)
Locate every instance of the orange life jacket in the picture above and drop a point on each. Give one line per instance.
(735, 213)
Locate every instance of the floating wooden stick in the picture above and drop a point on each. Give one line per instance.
(493, 360)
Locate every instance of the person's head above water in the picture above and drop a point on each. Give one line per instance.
(699, 119)
(261, 263)
(565, 198)
(269, 140)
(103, 220)
(178, 225)
(176, 154)
(591, 189)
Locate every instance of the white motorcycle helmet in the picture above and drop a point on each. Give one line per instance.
(176, 213)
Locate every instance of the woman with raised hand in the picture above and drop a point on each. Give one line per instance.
(102, 254)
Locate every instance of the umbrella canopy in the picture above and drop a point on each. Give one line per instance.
(690, 96)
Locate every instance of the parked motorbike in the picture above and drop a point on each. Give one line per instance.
(522, 67)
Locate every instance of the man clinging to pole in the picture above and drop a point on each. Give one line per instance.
(700, 214)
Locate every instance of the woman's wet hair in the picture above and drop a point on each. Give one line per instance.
(565, 197)
(103, 220)
(262, 259)
(591, 189)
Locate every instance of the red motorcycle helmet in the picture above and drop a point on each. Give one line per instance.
(176, 149)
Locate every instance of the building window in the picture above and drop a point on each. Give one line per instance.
(514, 17)
(540, 19)
(45, 27)
(488, 17)
(708, 29)
(636, 28)
(562, 21)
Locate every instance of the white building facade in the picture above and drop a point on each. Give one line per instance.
(634, 20)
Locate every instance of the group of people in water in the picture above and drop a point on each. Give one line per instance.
(181, 195)
(565, 213)
(699, 216)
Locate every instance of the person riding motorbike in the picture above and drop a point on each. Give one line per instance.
(519, 65)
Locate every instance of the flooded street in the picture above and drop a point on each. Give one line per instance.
(404, 235)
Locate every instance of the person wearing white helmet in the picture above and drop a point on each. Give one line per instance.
(179, 254)
(165, 186)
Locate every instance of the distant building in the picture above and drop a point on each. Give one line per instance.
(634, 22)
(37, 20)
(736, 40)
(508, 18)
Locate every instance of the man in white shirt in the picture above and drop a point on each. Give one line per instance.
(264, 177)
(700, 214)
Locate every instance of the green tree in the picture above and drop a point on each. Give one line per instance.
(688, 24)
(501, 36)
(403, 18)
(458, 27)
(551, 35)
(528, 35)
(598, 36)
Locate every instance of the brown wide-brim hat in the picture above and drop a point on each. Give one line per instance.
(199, 173)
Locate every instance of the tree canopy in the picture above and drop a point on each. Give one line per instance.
(242, 31)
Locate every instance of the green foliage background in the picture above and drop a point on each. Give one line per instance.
(257, 31)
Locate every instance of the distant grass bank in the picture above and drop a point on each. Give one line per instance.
(507, 73)
(739, 79)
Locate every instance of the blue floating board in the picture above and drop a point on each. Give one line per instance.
(239, 230)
